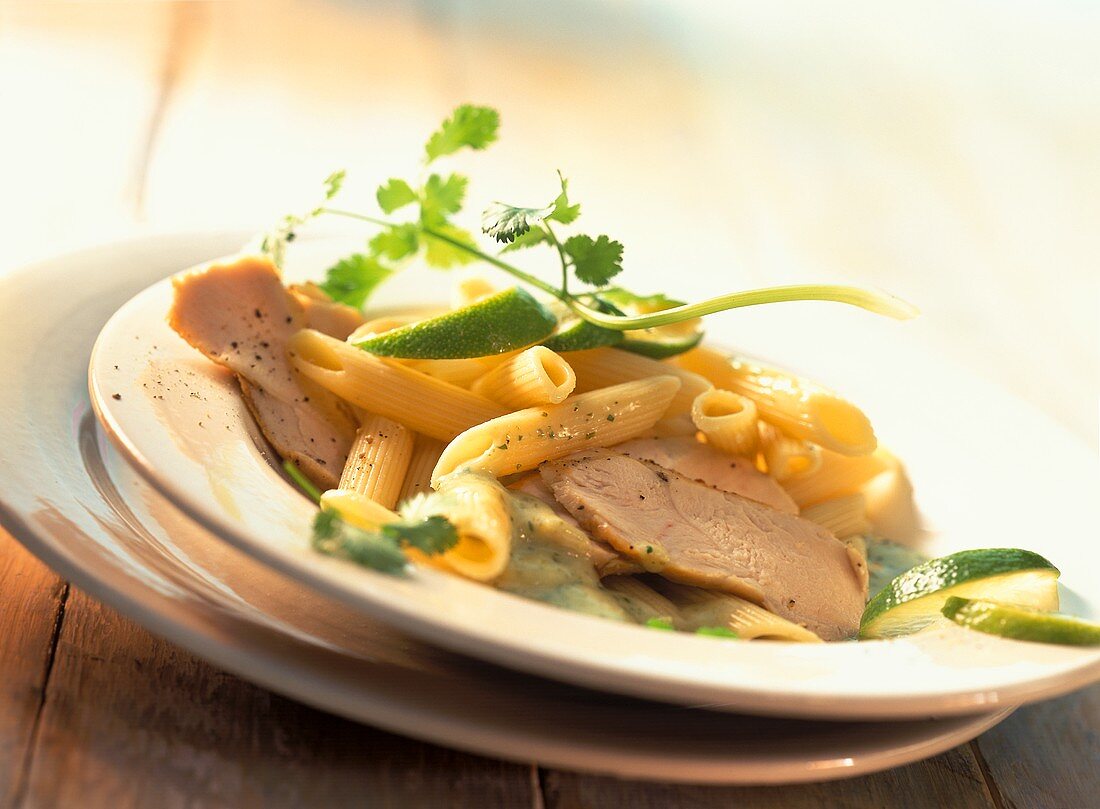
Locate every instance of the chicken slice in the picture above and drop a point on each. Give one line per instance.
(239, 315)
(688, 532)
(698, 461)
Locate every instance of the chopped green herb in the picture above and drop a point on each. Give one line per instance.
(610, 416)
(717, 632)
(659, 623)
(381, 549)
(304, 483)
(432, 535)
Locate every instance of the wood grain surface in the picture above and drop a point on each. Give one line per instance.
(134, 116)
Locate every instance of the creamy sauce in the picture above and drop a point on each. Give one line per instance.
(886, 560)
(549, 563)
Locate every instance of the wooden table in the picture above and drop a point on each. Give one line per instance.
(910, 151)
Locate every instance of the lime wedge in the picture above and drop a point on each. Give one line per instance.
(1021, 623)
(500, 323)
(659, 342)
(575, 334)
(914, 599)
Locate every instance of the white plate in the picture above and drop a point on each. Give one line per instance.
(184, 427)
(69, 499)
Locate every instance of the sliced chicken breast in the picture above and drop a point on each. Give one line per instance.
(240, 316)
(698, 461)
(688, 532)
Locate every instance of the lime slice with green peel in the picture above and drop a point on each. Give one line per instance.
(575, 334)
(1021, 623)
(914, 599)
(504, 322)
(658, 342)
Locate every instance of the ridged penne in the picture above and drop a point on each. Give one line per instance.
(533, 377)
(382, 324)
(640, 600)
(521, 441)
(357, 509)
(797, 406)
(460, 372)
(422, 403)
(601, 367)
(478, 507)
(844, 516)
(705, 608)
(786, 457)
(837, 476)
(378, 460)
(471, 290)
(728, 420)
(418, 477)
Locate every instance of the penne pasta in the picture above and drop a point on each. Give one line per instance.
(837, 476)
(422, 403)
(844, 516)
(382, 324)
(602, 367)
(471, 290)
(357, 509)
(522, 440)
(642, 601)
(418, 477)
(706, 608)
(478, 507)
(378, 460)
(728, 420)
(533, 377)
(785, 457)
(797, 406)
(461, 372)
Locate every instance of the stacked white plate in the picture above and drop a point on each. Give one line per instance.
(168, 507)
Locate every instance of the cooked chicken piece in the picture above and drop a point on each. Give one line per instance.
(324, 314)
(606, 561)
(240, 316)
(698, 461)
(688, 532)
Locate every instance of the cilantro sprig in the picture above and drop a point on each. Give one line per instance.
(383, 549)
(432, 233)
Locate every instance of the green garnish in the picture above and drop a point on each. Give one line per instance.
(590, 260)
(304, 483)
(717, 632)
(660, 623)
(381, 550)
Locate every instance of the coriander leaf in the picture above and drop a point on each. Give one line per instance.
(432, 535)
(351, 280)
(507, 222)
(273, 243)
(334, 537)
(528, 239)
(396, 242)
(394, 194)
(441, 254)
(469, 125)
(594, 262)
(442, 197)
(563, 211)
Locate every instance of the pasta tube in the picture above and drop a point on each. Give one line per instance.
(786, 457)
(522, 440)
(533, 377)
(461, 372)
(601, 367)
(844, 516)
(420, 402)
(640, 600)
(418, 478)
(478, 507)
(700, 608)
(378, 460)
(357, 509)
(728, 420)
(837, 476)
(797, 406)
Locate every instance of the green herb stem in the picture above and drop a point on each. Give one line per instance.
(304, 483)
(873, 301)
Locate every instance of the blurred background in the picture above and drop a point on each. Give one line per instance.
(946, 151)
